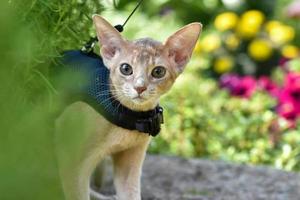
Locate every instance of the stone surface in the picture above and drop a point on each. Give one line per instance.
(172, 178)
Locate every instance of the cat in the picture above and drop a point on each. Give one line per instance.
(140, 72)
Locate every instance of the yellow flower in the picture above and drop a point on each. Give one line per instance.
(250, 23)
(253, 17)
(282, 34)
(260, 49)
(232, 42)
(226, 21)
(210, 43)
(223, 64)
(272, 24)
(290, 51)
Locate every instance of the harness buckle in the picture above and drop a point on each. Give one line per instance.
(151, 125)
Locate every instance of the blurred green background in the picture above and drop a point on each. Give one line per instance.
(202, 120)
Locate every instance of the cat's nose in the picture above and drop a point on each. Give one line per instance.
(140, 90)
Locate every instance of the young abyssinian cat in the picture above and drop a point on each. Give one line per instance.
(140, 72)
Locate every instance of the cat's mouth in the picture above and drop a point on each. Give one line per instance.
(139, 99)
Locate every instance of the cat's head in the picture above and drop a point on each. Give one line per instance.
(142, 70)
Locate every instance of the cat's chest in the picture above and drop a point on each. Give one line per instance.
(107, 136)
(119, 139)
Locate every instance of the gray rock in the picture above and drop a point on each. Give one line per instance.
(173, 178)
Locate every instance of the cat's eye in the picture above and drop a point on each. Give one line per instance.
(126, 69)
(159, 72)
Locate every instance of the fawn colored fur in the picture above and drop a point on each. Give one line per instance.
(95, 136)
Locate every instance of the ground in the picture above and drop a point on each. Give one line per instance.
(173, 178)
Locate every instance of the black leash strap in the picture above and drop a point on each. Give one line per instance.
(89, 46)
(136, 7)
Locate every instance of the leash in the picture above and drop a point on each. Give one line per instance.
(89, 46)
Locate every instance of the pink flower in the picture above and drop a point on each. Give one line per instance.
(268, 85)
(229, 81)
(283, 63)
(289, 97)
(291, 89)
(288, 110)
(292, 84)
(293, 9)
(238, 86)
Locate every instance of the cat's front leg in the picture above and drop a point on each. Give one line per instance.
(127, 171)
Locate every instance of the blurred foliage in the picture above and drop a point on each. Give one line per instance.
(197, 10)
(204, 121)
(201, 120)
(32, 34)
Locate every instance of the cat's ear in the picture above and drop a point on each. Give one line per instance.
(110, 39)
(181, 44)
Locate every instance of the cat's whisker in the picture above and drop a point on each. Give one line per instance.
(108, 99)
(106, 84)
(115, 98)
(119, 104)
(103, 94)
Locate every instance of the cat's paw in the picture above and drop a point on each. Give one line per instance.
(97, 196)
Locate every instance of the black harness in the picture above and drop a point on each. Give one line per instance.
(93, 88)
